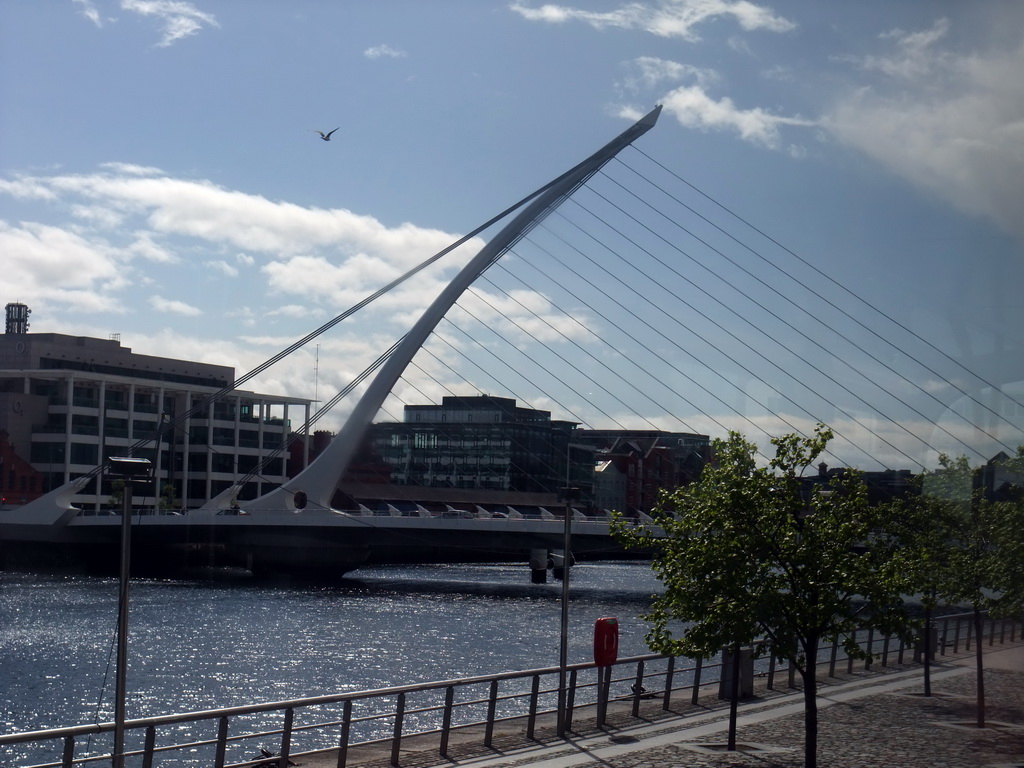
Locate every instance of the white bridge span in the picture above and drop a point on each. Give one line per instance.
(294, 528)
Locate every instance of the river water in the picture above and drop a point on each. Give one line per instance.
(205, 644)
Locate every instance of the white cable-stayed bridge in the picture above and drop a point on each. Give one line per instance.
(620, 296)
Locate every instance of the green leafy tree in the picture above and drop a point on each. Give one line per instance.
(965, 543)
(168, 497)
(116, 499)
(746, 555)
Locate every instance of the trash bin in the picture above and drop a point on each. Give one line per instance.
(746, 687)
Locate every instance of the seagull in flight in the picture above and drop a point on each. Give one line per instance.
(326, 136)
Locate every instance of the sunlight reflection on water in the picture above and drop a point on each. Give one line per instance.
(198, 645)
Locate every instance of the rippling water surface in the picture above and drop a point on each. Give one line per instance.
(201, 644)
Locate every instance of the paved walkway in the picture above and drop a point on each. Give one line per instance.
(866, 720)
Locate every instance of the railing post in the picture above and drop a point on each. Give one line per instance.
(222, 742)
(638, 688)
(492, 708)
(570, 701)
(396, 739)
(696, 682)
(286, 738)
(666, 702)
(531, 720)
(945, 635)
(346, 732)
(604, 675)
(69, 752)
(150, 747)
(446, 719)
(885, 651)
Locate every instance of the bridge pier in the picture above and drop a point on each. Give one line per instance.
(559, 562)
(539, 561)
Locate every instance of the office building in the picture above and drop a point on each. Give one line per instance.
(67, 403)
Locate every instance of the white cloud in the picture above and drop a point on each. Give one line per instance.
(950, 123)
(48, 265)
(89, 11)
(915, 54)
(291, 310)
(180, 19)
(383, 51)
(694, 108)
(160, 304)
(131, 169)
(223, 267)
(204, 211)
(670, 18)
(121, 228)
(648, 72)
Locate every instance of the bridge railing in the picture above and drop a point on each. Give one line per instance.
(384, 718)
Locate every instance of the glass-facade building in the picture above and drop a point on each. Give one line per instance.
(483, 442)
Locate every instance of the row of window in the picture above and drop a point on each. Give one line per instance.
(89, 454)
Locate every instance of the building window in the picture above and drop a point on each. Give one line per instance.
(84, 453)
(47, 453)
(85, 425)
(223, 462)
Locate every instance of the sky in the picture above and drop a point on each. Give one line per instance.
(826, 224)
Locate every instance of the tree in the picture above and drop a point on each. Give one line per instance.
(168, 498)
(746, 554)
(116, 499)
(965, 541)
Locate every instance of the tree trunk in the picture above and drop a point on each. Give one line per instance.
(810, 718)
(927, 644)
(735, 703)
(980, 667)
(810, 678)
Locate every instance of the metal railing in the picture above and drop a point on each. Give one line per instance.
(383, 718)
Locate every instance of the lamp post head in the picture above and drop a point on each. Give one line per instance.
(129, 467)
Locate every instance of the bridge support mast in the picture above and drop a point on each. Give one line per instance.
(315, 485)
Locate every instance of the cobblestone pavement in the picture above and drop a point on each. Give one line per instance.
(888, 729)
(868, 719)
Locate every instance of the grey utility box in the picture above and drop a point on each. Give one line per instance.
(746, 688)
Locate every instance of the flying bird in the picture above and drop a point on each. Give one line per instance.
(326, 136)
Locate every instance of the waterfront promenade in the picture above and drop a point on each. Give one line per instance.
(868, 719)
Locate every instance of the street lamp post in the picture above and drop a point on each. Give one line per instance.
(563, 650)
(129, 470)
